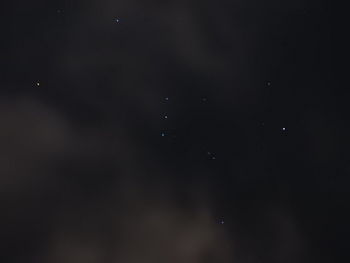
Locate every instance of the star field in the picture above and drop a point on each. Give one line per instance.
(189, 132)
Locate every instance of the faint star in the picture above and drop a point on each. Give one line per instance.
(268, 83)
(162, 134)
(165, 116)
(166, 98)
(116, 20)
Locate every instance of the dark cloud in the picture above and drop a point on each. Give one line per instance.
(85, 175)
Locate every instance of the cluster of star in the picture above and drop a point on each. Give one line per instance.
(211, 155)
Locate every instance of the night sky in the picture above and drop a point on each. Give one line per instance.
(171, 132)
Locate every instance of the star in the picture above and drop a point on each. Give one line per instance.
(38, 84)
(165, 116)
(116, 20)
(283, 129)
(166, 98)
(162, 134)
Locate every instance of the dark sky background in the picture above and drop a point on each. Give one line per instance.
(171, 131)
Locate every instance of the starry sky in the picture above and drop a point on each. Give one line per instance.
(171, 131)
